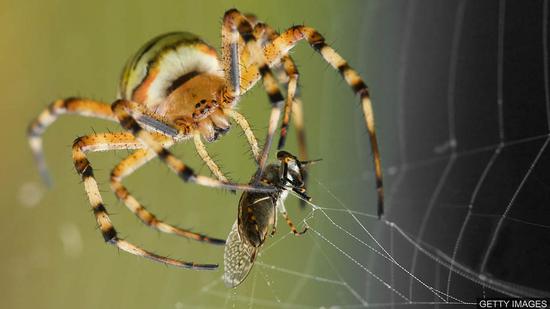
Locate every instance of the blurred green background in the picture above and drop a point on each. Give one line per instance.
(53, 256)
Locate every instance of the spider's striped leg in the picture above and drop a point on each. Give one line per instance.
(293, 105)
(254, 67)
(121, 108)
(265, 34)
(37, 127)
(292, 72)
(232, 48)
(288, 39)
(104, 142)
(126, 167)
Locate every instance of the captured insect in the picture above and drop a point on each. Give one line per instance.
(258, 212)
(176, 88)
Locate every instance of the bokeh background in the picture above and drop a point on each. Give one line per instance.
(429, 81)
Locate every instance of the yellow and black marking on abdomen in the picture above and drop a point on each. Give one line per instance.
(164, 63)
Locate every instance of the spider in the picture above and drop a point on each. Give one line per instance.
(257, 213)
(176, 88)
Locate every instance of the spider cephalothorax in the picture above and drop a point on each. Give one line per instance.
(176, 88)
(191, 107)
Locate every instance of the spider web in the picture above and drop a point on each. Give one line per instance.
(465, 116)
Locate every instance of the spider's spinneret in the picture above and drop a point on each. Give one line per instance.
(178, 76)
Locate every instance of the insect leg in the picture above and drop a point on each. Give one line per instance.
(292, 226)
(282, 210)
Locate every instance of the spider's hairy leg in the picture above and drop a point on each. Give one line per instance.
(104, 142)
(38, 126)
(255, 67)
(158, 124)
(232, 54)
(293, 104)
(121, 108)
(292, 72)
(126, 167)
(288, 39)
(245, 126)
(203, 153)
(266, 34)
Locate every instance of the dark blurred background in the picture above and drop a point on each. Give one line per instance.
(461, 100)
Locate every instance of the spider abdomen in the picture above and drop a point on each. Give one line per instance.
(164, 63)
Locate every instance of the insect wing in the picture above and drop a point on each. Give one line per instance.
(238, 258)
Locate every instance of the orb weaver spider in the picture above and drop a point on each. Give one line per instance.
(174, 89)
